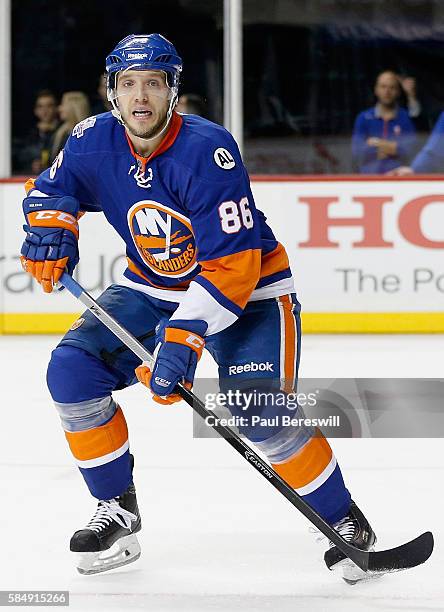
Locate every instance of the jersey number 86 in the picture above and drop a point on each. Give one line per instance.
(233, 216)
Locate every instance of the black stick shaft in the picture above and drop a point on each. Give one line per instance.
(357, 556)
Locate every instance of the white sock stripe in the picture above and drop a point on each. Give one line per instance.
(319, 480)
(282, 344)
(296, 344)
(293, 382)
(89, 463)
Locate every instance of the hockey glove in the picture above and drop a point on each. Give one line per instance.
(52, 234)
(176, 356)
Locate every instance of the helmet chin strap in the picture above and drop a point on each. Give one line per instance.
(118, 116)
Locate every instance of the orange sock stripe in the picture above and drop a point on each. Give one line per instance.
(99, 441)
(290, 343)
(307, 464)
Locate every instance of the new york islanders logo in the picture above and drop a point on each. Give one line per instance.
(163, 238)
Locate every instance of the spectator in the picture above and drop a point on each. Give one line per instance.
(101, 104)
(73, 108)
(35, 153)
(191, 104)
(431, 157)
(384, 135)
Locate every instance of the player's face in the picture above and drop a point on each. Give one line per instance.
(387, 89)
(143, 98)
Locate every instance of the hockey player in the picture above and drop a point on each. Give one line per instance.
(204, 270)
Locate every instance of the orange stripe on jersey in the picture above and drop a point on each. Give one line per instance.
(275, 261)
(182, 286)
(29, 185)
(289, 343)
(307, 464)
(234, 275)
(54, 218)
(99, 441)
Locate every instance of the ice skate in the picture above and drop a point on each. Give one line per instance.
(356, 529)
(109, 539)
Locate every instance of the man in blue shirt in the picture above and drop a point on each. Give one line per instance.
(384, 135)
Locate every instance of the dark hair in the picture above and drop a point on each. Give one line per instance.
(45, 93)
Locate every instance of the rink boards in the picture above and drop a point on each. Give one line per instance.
(366, 254)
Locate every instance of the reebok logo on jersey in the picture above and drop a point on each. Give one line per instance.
(224, 159)
(251, 367)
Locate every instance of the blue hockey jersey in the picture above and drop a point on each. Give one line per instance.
(186, 213)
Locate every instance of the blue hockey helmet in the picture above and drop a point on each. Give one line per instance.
(144, 52)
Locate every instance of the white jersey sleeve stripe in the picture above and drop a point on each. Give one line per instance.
(199, 304)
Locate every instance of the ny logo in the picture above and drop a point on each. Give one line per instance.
(139, 176)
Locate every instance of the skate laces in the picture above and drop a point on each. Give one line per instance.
(109, 511)
(345, 527)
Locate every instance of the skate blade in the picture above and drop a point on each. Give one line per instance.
(124, 551)
(352, 574)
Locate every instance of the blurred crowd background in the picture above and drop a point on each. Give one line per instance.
(330, 86)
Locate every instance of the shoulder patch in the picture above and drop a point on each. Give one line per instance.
(80, 128)
(224, 159)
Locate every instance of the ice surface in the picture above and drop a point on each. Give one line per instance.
(215, 535)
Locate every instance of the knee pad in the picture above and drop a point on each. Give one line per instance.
(287, 441)
(264, 410)
(86, 415)
(81, 386)
(75, 376)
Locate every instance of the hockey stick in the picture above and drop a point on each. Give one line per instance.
(407, 555)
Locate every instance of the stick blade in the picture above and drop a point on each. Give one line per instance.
(402, 557)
